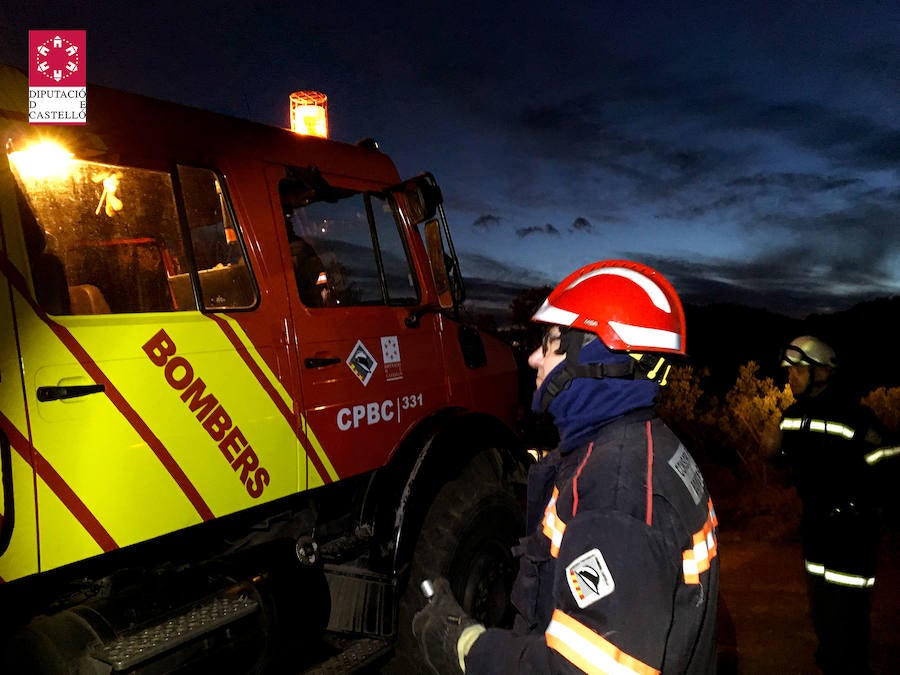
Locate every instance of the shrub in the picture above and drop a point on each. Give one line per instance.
(885, 403)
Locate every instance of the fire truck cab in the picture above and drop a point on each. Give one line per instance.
(240, 418)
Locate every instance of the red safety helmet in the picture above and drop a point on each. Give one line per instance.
(629, 306)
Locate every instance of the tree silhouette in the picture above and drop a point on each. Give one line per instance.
(526, 303)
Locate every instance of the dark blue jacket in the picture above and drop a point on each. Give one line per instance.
(620, 569)
(825, 440)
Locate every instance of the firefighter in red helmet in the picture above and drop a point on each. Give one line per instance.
(619, 569)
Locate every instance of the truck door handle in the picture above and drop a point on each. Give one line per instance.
(57, 393)
(321, 362)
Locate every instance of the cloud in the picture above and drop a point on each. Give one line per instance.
(581, 224)
(855, 243)
(534, 229)
(489, 269)
(795, 282)
(486, 221)
(768, 197)
(794, 181)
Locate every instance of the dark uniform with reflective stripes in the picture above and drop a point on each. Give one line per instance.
(621, 572)
(826, 440)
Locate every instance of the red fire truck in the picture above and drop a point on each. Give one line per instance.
(240, 418)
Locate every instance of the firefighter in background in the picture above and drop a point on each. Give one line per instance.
(829, 441)
(618, 572)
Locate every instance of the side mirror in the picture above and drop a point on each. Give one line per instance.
(436, 256)
(421, 200)
(423, 197)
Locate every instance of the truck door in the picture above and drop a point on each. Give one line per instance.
(146, 414)
(368, 372)
(18, 531)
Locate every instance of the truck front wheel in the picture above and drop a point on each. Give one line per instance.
(467, 537)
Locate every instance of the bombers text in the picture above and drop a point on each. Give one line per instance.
(179, 373)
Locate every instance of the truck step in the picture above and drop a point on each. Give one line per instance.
(133, 648)
(354, 656)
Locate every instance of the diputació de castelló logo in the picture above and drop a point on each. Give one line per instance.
(57, 92)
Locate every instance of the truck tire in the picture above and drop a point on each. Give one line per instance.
(467, 537)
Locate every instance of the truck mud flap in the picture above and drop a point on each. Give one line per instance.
(361, 601)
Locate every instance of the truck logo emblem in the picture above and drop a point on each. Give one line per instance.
(362, 363)
(390, 352)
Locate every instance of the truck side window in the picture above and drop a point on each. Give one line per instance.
(225, 279)
(348, 251)
(113, 229)
(399, 279)
(106, 238)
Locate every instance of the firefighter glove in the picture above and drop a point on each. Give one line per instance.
(444, 631)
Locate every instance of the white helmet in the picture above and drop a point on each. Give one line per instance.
(808, 351)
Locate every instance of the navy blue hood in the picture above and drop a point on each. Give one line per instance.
(586, 404)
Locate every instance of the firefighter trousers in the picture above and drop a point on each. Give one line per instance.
(840, 617)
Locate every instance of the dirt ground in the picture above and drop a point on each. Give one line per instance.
(764, 626)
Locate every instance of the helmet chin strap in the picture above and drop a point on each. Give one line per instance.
(640, 367)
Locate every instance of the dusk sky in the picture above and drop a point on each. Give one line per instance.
(747, 150)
